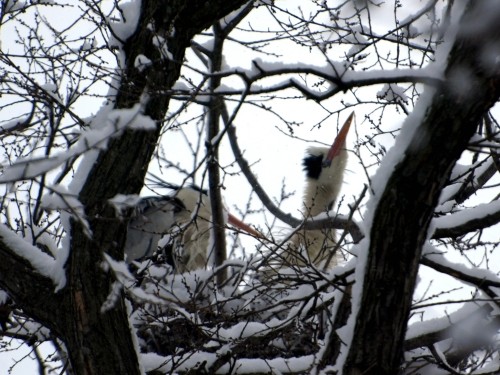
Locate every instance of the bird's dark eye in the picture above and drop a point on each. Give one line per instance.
(313, 165)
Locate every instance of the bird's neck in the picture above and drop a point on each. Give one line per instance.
(319, 198)
(321, 193)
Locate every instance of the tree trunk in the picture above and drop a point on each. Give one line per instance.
(100, 342)
(470, 88)
(218, 232)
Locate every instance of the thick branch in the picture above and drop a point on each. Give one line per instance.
(483, 284)
(476, 223)
(28, 288)
(100, 342)
(434, 337)
(214, 183)
(406, 205)
(340, 80)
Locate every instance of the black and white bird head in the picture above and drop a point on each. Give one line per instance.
(324, 167)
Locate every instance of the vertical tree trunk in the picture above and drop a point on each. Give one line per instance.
(471, 87)
(216, 203)
(100, 341)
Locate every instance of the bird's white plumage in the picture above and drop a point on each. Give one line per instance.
(319, 197)
(188, 223)
(325, 173)
(320, 193)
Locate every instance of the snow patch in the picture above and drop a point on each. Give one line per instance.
(43, 263)
(97, 137)
(130, 13)
(141, 62)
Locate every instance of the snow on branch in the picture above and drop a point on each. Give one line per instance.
(478, 277)
(337, 74)
(97, 137)
(432, 331)
(467, 220)
(41, 262)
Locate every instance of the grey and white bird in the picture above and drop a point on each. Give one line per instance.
(324, 167)
(151, 219)
(184, 219)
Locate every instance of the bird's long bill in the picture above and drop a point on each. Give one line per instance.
(339, 142)
(235, 222)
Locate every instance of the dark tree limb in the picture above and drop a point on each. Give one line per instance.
(214, 181)
(100, 342)
(215, 112)
(27, 287)
(468, 226)
(434, 337)
(339, 83)
(471, 187)
(483, 284)
(407, 203)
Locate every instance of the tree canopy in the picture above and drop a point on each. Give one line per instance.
(103, 102)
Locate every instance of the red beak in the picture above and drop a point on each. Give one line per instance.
(339, 142)
(237, 223)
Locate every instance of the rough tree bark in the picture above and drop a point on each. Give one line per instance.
(101, 342)
(470, 87)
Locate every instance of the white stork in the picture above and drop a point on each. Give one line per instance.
(324, 169)
(186, 218)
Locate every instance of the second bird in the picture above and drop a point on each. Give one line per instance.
(324, 167)
(185, 217)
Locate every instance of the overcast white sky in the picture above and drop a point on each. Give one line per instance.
(275, 156)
